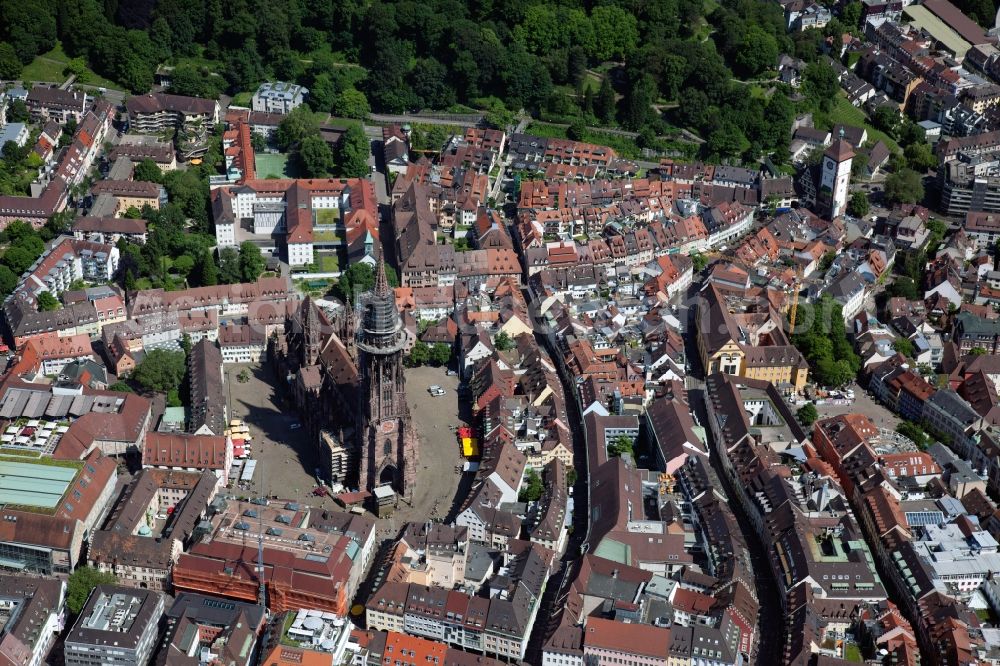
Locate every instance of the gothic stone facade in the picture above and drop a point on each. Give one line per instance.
(388, 442)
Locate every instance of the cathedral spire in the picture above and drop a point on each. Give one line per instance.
(381, 281)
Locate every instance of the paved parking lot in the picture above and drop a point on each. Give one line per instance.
(863, 404)
(286, 459)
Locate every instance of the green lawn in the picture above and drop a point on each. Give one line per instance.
(592, 81)
(285, 626)
(327, 216)
(985, 615)
(328, 236)
(274, 164)
(49, 67)
(50, 462)
(242, 99)
(199, 61)
(853, 653)
(545, 130)
(327, 263)
(844, 112)
(42, 69)
(27, 453)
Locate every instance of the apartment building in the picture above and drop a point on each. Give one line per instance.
(31, 609)
(45, 103)
(278, 97)
(242, 343)
(191, 117)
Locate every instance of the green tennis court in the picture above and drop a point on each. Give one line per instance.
(273, 164)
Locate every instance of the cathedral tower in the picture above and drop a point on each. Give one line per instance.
(312, 332)
(388, 442)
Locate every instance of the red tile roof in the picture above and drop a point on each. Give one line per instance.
(182, 450)
(638, 639)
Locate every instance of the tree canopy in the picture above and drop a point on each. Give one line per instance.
(905, 287)
(440, 353)
(904, 186)
(315, 157)
(47, 302)
(823, 341)
(359, 278)
(24, 246)
(395, 55)
(161, 370)
(352, 157)
(531, 487)
(621, 445)
(81, 583)
(251, 262)
(807, 414)
(420, 354)
(147, 171)
(858, 204)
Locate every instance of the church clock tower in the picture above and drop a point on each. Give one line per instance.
(388, 442)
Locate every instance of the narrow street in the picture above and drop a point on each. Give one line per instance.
(554, 598)
(770, 617)
(770, 631)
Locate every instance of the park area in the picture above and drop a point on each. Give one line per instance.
(50, 67)
(274, 165)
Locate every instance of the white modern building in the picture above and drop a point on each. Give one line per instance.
(69, 260)
(278, 97)
(286, 210)
(961, 562)
(850, 292)
(16, 132)
(119, 625)
(32, 612)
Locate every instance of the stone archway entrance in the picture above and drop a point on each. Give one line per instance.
(387, 476)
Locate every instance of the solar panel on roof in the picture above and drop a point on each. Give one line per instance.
(923, 518)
